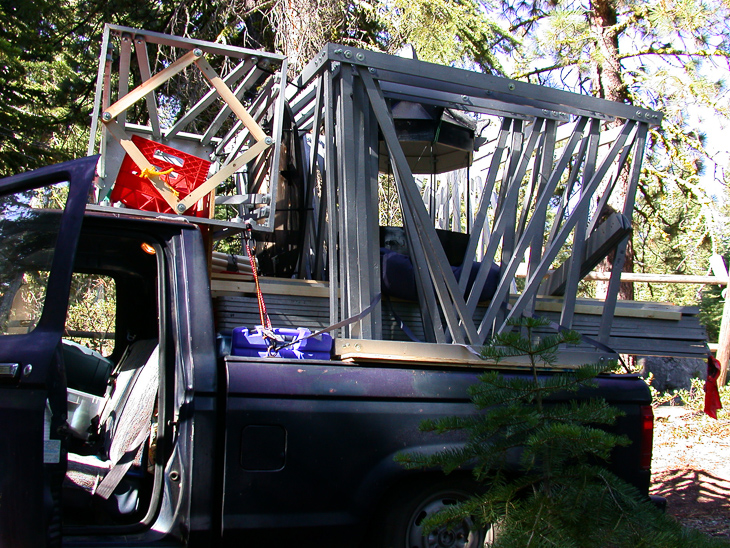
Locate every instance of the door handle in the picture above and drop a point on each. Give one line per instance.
(9, 370)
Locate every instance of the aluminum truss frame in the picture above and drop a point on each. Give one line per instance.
(229, 134)
(550, 147)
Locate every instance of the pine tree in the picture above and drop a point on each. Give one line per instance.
(49, 54)
(561, 495)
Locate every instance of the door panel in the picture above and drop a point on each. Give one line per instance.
(40, 220)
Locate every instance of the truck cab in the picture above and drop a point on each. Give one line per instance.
(98, 393)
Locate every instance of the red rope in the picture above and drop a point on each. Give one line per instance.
(263, 315)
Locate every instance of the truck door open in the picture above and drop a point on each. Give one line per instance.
(40, 220)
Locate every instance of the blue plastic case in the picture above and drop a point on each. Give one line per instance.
(252, 343)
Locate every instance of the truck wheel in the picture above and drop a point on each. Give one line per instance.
(403, 525)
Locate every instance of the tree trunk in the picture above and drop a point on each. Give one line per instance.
(608, 84)
(303, 27)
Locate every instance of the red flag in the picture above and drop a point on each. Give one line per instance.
(712, 394)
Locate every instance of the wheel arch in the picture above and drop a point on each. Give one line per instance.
(389, 478)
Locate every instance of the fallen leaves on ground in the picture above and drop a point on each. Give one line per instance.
(691, 468)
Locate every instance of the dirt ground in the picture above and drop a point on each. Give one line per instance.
(691, 468)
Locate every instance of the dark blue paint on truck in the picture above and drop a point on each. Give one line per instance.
(344, 424)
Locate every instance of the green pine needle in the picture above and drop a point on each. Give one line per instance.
(557, 496)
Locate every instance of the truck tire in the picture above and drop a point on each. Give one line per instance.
(401, 521)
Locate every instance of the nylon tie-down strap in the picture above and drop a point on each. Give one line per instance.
(402, 324)
(268, 330)
(343, 323)
(554, 325)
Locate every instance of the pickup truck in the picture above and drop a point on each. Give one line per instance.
(165, 440)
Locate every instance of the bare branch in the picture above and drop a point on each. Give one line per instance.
(527, 22)
(676, 53)
(663, 52)
(557, 66)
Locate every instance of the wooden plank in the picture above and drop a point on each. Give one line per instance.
(150, 85)
(279, 286)
(634, 305)
(625, 304)
(210, 96)
(228, 96)
(596, 308)
(440, 354)
(225, 111)
(636, 323)
(644, 277)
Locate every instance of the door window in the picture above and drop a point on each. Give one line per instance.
(29, 226)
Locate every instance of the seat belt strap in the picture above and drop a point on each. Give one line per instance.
(120, 468)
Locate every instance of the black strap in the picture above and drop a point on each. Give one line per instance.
(343, 323)
(599, 345)
(407, 330)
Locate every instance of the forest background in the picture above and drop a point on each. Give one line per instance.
(668, 55)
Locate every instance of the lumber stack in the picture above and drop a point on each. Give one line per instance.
(646, 335)
(639, 328)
